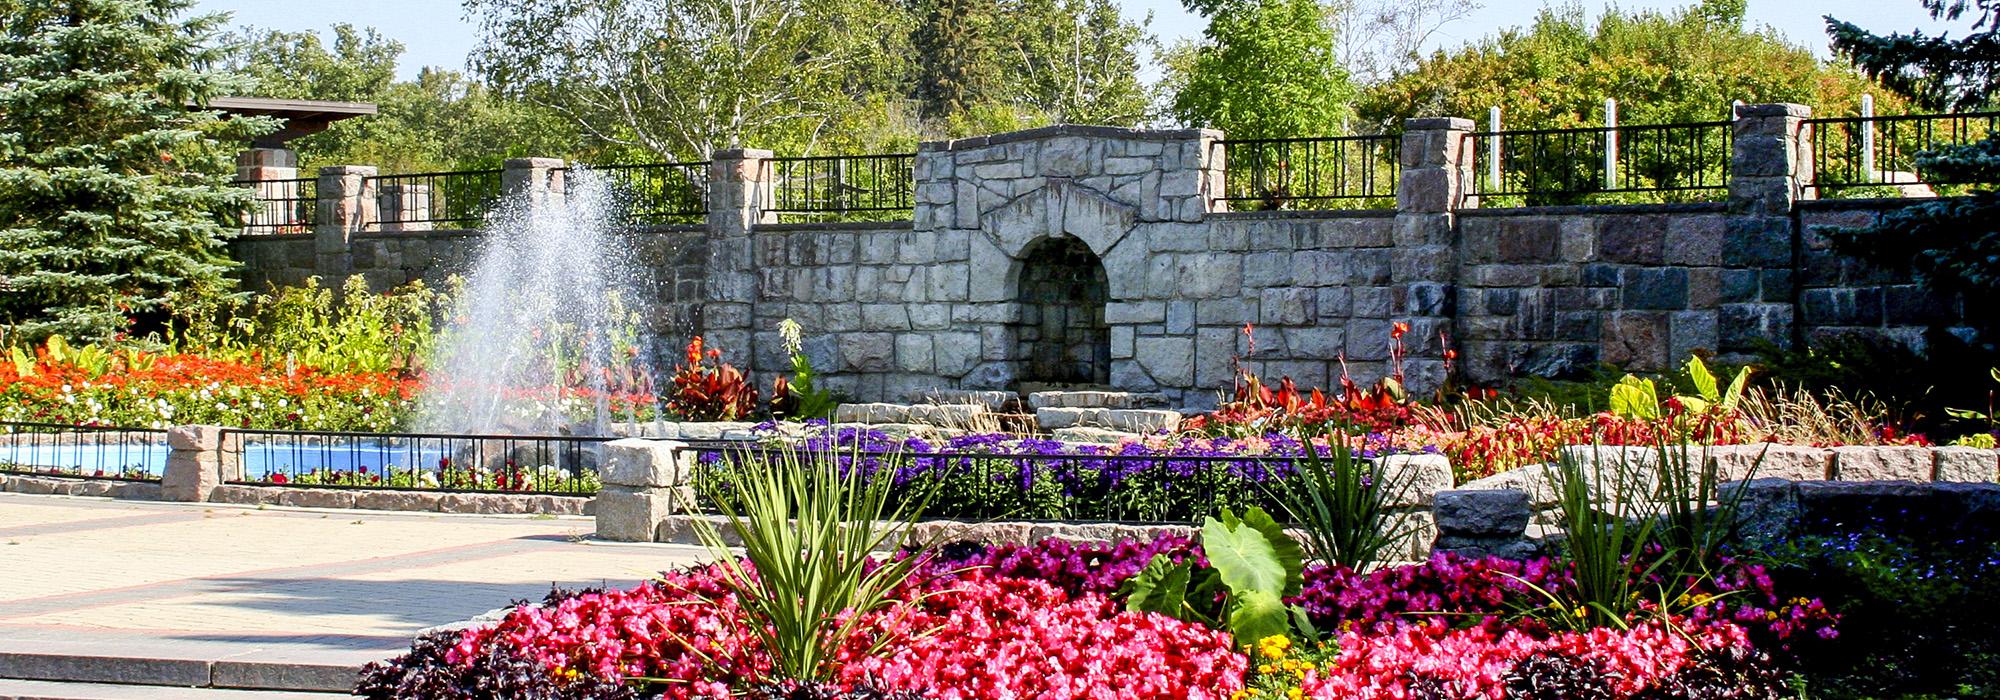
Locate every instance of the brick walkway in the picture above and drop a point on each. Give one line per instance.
(216, 582)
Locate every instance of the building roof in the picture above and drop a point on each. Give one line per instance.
(301, 117)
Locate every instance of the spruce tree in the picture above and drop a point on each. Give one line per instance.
(1951, 245)
(114, 177)
(957, 55)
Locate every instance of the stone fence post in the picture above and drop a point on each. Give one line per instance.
(1769, 168)
(740, 190)
(542, 180)
(195, 464)
(644, 481)
(1437, 164)
(346, 206)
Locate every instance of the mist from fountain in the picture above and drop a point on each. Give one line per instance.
(549, 324)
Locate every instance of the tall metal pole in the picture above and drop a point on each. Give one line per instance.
(1610, 143)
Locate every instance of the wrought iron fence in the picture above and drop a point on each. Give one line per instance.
(539, 464)
(1328, 172)
(1858, 155)
(1643, 163)
(657, 193)
(842, 188)
(126, 454)
(281, 207)
(977, 485)
(425, 201)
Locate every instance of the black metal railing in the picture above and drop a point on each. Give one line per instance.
(1852, 153)
(842, 188)
(1643, 163)
(538, 464)
(1151, 488)
(126, 454)
(281, 207)
(655, 193)
(1328, 172)
(423, 201)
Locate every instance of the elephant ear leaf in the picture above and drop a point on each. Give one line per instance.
(1291, 555)
(1254, 615)
(1161, 587)
(1243, 556)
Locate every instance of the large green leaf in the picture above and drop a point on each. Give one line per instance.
(1633, 397)
(1244, 555)
(1704, 380)
(1254, 615)
(1161, 587)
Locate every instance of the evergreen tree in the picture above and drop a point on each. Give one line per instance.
(1266, 68)
(1939, 72)
(957, 55)
(114, 182)
(1952, 245)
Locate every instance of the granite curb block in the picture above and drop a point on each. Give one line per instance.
(181, 673)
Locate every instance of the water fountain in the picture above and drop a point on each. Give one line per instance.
(549, 328)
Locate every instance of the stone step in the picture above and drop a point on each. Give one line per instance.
(1096, 399)
(61, 690)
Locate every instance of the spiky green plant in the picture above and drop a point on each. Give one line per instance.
(1341, 502)
(1609, 524)
(810, 522)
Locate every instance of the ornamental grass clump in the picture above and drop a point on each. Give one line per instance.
(810, 522)
(1341, 502)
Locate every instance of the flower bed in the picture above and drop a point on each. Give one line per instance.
(1045, 621)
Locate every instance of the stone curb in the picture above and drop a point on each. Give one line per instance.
(182, 673)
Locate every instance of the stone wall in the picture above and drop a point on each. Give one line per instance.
(960, 296)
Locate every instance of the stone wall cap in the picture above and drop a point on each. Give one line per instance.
(1090, 130)
(1437, 123)
(1604, 209)
(362, 170)
(1781, 109)
(534, 162)
(741, 154)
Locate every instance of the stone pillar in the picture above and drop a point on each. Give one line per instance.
(1437, 179)
(740, 189)
(346, 207)
(541, 179)
(644, 482)
(194, 463)
(1770, 166)
(267, 164)
(396, 201)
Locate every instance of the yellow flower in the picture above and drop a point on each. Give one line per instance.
(1294, 694)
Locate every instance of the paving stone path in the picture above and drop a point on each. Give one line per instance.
(89, 577)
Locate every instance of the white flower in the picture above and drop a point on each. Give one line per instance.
(790, 331)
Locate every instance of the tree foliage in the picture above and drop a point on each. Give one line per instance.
(114, 181)
(1265, 68)
(1938, 72)
(441, 120)
(1952, 245)
(1074, 62)
(1677, 66)
(682, 78)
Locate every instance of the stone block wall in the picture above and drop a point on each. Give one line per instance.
(960, 296)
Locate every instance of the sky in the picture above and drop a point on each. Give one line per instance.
(435, 33)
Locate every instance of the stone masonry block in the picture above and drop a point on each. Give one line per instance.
(639, 463)
(1882, 463)
(1481, 513)
(1967, 464)
(627, 514)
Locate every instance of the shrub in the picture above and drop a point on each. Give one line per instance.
(707, 389)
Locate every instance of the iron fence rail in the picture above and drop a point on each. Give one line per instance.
(1109, 487)
(1853, 152)
(281, 207)
(656, 193)
(1672, 162)
(422, 201)
(842, 188)
(87, 452)
(519, 464)
(1323, 172)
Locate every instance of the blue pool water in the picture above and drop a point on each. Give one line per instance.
(260, 461)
